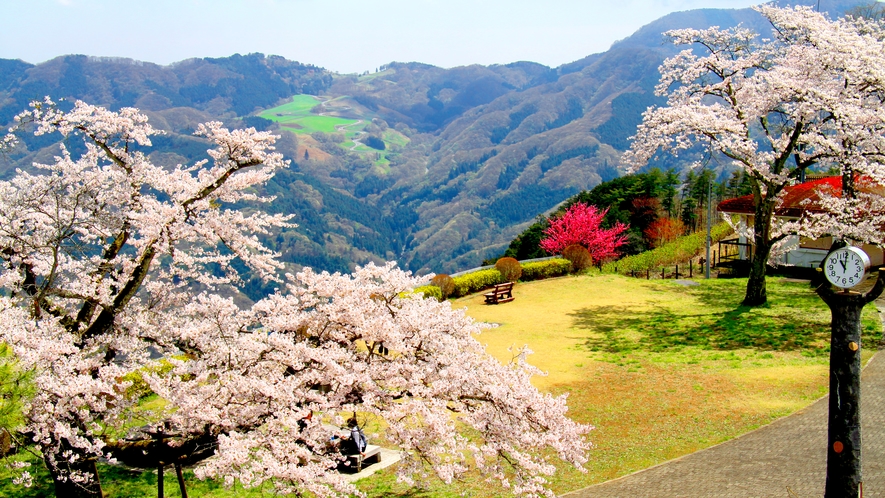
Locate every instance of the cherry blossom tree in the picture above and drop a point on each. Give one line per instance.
(811, 96)
(115, 268)
(582, 224)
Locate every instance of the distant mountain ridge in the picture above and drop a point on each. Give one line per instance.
(236, 85)
(488, 147)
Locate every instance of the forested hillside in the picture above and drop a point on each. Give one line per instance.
(435, 168)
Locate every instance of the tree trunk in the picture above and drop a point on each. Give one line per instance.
(843, 433)
(844, 477)
(65, 487)
(756, 293)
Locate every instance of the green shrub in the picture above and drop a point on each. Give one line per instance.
(476, 281)
(428, 291)
(678, 251)
(445, 283)
(483, 279)
(510, 269)
(537, 270)
(579, 256)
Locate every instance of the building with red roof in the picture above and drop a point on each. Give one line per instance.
(797, 199)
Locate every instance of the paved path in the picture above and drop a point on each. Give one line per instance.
(784, 459)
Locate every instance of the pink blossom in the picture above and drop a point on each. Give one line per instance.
(581, 224)
(107, 261)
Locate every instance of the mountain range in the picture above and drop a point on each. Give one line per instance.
(435, 168)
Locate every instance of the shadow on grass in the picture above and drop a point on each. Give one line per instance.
(621, 329)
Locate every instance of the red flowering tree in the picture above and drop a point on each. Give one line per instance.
(582, 224)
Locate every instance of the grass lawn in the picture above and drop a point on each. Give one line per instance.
(660, 369)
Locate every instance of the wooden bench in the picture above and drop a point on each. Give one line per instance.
(501, 294)
(368, 457)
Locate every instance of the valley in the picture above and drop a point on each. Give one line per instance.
(435, 168)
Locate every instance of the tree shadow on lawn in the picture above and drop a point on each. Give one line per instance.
(619, 329)
(659, 329)
(791, 321)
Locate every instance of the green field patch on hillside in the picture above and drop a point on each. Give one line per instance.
(296, 116)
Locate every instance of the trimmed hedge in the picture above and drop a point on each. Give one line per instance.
(429, 291)
(538, 270)
(476, 281)
(483, 279)
(535, 270)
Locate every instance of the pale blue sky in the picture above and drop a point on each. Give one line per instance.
(341, 35)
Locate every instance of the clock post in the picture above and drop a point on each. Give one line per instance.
(845, 268)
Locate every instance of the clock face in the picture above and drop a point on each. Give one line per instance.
(846, 267)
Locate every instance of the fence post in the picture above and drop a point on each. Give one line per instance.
(647, 274)
(662, 272)
(690, 268)
(677, 271)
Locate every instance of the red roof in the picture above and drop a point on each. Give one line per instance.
(794, 198)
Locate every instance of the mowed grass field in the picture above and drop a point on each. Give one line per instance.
(660, 369)
(296, 116)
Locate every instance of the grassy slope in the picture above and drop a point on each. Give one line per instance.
(660, 369)
(295, 116)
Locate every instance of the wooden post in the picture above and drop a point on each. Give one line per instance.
(181, 485)
(662, 272)
(677, 271)
(647, 274)
(690, 268)
(844, 477)
(160, 480)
